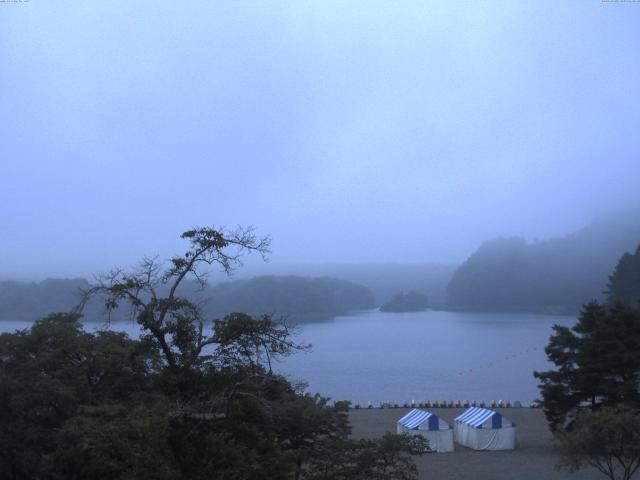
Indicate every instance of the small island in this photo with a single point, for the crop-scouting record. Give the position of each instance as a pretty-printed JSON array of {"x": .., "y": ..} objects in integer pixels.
[{"x": 406, "y": 302}]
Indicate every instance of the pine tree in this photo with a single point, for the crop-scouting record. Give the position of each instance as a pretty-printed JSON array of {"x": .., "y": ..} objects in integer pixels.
[
  {"x": 598, "y": 363},
  {"x": 624, "y": 283}
]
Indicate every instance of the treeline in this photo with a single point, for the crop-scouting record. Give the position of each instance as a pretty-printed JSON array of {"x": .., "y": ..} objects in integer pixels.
[
  {"x": 298, "y": 299},
  {"x": 33, "y": 300},
  {"x": 553, "y": 276},
  {"x": 383, "y": 279},
  {"x": 406, "y": 302}
]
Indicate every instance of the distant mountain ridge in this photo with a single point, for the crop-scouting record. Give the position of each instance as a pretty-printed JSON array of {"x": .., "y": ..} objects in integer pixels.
[{"x": 552, "y": 276}]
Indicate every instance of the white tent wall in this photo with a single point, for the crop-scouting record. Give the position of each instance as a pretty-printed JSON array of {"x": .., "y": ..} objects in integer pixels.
[
  {"x": 440, "y": 441},
  {"x": 440, "y": 435},
  {"x": 483, "y": 429},
  {"x": 485, "y": 438}
]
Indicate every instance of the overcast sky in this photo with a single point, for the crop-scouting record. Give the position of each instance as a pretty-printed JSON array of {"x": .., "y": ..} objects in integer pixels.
[{"x": 350, "y": 131}]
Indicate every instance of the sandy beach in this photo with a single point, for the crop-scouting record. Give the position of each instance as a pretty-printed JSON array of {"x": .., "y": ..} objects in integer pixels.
[{"x": 534, "y": 459}]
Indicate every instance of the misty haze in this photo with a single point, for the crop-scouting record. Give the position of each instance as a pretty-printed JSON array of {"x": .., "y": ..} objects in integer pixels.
[{"x": 319, "y": 240}]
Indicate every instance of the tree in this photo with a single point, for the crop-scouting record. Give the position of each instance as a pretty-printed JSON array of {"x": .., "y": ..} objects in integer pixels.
[
  {"x": 48, "y": 373},
  {"x": 624, "y": 283},
  {"x": 173, "y": 322},
  {"x": 608, "y": 440},
  {"x": 597, "y": 360},
  {"x": 110, "y": 441},
  {"x": 190, "y": 399},
  {"x": 386, "y": 458},
  {"x": 307, "y": 420},
  {"x": 222, "y": 382}
]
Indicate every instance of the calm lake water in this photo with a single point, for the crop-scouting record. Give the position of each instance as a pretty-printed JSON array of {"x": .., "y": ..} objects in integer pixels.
[{"x": 375, "y": 356}]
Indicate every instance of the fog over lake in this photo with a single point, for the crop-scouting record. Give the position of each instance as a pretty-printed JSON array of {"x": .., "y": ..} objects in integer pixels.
[
  {"x": 351, "y": 132},
  {"x": 421, "y": 190},
  {"x": 435, "y": 355},
  {"x": 432, "y": 355}
]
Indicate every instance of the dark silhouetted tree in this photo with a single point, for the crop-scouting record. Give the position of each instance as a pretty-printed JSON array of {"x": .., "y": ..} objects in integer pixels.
[
  {"x": 597, "y": 363},
  {"x": 190, "y": 399},
  {"x": 624, "y": 283},
  {"x": 607, "y": 440}
]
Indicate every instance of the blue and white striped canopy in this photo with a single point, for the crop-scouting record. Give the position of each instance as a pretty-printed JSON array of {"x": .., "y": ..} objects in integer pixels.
[
  {"x": 417, "y": 417},
  {"x": 476, "y": 416}
]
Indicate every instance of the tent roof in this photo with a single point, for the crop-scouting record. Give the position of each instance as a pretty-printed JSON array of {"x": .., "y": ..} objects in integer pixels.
[
  {"x": 475, "y": 416},
  {"x": 415, "y": 418}
]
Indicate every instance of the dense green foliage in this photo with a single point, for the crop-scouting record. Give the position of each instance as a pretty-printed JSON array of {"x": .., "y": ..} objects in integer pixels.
[
  {"x": 406, "y": 302},
  {"x": 80, "y": 405},
  {"x": 598, "y": 363},
  {"x": 48, "y": 375},
  {"x": 608, "y": 440},
  {"x": 386, "y": 458},
  {"x": 188, "y": 400},
  {"x": 554, "y": 276},
  {"x": 624, "y": 283}
]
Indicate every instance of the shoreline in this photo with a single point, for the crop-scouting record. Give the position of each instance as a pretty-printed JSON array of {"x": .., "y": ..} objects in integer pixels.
[
  {"x": 444, "y": 404},
  {"x": 534, "y": 458},
  {"x": 547, "y": 312},
  {"x": 309, "y": 319}
]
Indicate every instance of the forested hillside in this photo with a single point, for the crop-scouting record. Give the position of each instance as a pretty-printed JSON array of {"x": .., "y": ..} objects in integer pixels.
[
  {"x": 552, "y": 276},
  {"x": 383, "y": 279},
  {"x": 298, "y": 298},
  {"x": 31, "y": 300}
]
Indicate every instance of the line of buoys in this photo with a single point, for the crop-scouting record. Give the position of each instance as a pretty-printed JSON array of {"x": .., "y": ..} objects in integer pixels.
[
  {"x": 496, "y": 362},
  {"x": 447, "y": 404}
]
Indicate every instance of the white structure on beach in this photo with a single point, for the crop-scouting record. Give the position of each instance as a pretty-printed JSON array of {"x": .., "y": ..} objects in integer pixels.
[
  {"x": 483, "y": 429},
  {"x": 430, "y": 426}
]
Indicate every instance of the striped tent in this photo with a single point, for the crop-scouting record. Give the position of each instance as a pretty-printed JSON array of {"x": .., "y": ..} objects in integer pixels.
[
  {"x": 484, "y": 429},
  {"x": 430, "y": 426}
]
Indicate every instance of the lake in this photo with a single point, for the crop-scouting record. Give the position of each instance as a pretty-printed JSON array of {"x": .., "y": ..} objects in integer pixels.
[{"x": 435, "y": 355}]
